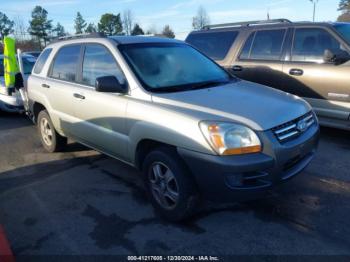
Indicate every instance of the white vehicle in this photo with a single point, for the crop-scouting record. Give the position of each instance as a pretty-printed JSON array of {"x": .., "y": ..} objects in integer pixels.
[{"x": 11, "y": 99}]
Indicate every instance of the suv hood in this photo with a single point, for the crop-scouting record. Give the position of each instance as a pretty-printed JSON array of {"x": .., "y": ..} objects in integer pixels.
[{"x": 257, "y": 106}]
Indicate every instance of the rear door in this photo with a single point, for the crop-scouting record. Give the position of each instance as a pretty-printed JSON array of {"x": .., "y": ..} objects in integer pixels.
[
  {"x": 325, "y": 85},
  {"x": 260, "y": 58},
  {"x": 100, "y": 116}
]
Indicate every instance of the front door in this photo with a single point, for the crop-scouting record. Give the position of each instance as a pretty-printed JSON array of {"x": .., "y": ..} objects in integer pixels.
[
  {"x": 100, "y": 116},
  {"x": 326, "y": 86}
]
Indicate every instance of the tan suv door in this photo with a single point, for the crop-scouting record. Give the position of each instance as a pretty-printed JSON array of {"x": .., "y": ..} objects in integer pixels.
[
  {"x": 325, "y": 86},
  {"x": 260, "y": 59},
  {"x": 101, "y": 116}
]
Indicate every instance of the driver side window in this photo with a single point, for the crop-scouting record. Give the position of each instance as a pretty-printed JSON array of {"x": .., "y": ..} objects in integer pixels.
[
  {"x": 98, "y": 62},
  {"x": 311, "y": 43}
]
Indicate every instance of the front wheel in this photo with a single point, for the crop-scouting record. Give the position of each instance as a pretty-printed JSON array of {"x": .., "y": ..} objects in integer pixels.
[
  {"x": 169, "y": 185},
  {"x": 50, "y": 139}
]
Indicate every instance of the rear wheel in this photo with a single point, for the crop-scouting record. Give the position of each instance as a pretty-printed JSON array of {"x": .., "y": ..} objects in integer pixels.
[
  {"x": 50, "y": 139},
  {"x": 169, "y": 185}
]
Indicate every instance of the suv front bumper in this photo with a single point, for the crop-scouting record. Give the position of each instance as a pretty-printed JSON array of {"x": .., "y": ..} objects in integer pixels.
[{"x": 246, "y": 176}]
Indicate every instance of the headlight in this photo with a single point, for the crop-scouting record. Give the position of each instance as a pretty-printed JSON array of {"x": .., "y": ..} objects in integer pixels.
[{"x": 230, "y": 138}]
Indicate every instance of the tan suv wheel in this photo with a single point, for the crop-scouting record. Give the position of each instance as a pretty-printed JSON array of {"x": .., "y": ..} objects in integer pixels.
[{"x": 50, "y": 139}]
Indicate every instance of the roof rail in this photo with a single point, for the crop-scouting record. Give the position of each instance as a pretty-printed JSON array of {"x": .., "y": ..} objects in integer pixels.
[
  {"x": 90, "y": 35},
  {"x": 248, "y": 23}
]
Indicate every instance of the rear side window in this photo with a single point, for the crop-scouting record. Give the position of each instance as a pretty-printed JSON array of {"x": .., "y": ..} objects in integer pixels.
[
  {"x": 65, "y": 64},
  {"x": 267, "y": 45},
  {"x": 98, "y": 61},
  {"x": 311, "y": 43},
  {"x": 42, "y": 60},
  {"x": 247, "y": 47},
  {"x": 214, "y": 44}
]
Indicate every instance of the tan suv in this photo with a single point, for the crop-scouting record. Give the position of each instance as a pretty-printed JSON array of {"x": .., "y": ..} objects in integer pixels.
[
  {"x": 307, "y": 59},
  {"x": 163, "y": 107}
]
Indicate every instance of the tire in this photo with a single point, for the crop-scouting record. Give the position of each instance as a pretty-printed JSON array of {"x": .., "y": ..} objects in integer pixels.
[
  {"x": 172, "y": 207},
  {"x": 50, "y": 139}
]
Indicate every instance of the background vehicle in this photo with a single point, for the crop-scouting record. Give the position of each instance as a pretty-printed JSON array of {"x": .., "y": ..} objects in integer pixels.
[
  {"x": 163, "y": 107},
  {"x": 307, "y": 59},
  {"x": 13, "y": 102},
  {"x": 36, "y": 54}
]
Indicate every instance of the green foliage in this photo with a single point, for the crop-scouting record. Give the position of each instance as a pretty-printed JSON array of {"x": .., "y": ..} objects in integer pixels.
[
  {"x": 40, "y": 27},
  {"x": 59, "y": 30},
  {"x": 168, "y": 32},
  {"x": 6, "y": 25},
  {"x": 110, "y": 24},
  {"x": 344, "y": 6},
  {"x": 91, "y": 28},
  {"x": 137, "y": 30},
  {"x": 80, "y": 24}
]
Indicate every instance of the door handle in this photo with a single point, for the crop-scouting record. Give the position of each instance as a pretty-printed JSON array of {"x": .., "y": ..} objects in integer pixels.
[
  {"x": 237, "y": 68},
  {"x": 45, "y": 86},
  {"x": 296, "y": 72},
  {"x": 79, "y": 96}
]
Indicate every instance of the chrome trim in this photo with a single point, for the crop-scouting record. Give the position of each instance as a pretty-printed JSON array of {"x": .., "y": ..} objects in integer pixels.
[
  {"x": 284, "y": 137},
  {"x": 285, "y": 129},
  {"x": 290, "y": 129}
]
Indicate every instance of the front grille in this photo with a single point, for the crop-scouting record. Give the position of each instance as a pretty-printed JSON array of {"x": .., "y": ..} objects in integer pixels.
[{"x": 294, "y": 128}]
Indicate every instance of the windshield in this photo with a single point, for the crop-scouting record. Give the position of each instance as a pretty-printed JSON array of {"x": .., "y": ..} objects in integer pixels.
[
  {"x": 344, "y": 30},
  {"x": 172, "y": 67}
]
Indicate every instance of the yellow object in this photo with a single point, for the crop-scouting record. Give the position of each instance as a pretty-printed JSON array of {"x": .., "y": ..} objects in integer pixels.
[{"x": 10, "y": 62}]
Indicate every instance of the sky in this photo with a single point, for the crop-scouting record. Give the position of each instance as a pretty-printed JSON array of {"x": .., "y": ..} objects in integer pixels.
[{"x": 178, "y": 14}]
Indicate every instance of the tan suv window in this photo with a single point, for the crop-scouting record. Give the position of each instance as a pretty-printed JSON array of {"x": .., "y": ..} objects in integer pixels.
[
  {"x": 310, "y": 44},
  {"x": 265, "y": 45}
]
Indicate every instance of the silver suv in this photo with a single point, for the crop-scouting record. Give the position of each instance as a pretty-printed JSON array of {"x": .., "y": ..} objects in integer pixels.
[{"x": 161, "y": 106}]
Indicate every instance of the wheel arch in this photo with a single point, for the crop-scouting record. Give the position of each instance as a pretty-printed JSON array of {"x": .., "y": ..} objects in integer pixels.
[
  {"x": 37, "y": 108},
  {"x": 144, "y": 147}
]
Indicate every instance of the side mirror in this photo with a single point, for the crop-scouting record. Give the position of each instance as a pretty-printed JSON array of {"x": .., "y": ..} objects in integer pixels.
[
  {"x": 329, "y": 56},
  {"x": 337, "y": 59},
  {"x": 110, "y": 84}
]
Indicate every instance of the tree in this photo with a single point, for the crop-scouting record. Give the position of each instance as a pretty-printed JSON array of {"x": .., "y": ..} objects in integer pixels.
[
  {"x": 91, "y": 28},
  {"x": 59, "y": 30},
  {"x": 110, "y": 24},
  {"x": 6, "y": 25},
  {"x": 344, "y": 17},
  {"x": 168, "y": 32},
  {"x": 127, "y": 21},
  {"x": 137, "y": 30},
  {"x": 344, "y": 7},
  {"x": 201, "y": 19},
  {"x": 80, "y": 24},
  {"x": 40, "y": 27},
  {"x": 20, "y": 29}
]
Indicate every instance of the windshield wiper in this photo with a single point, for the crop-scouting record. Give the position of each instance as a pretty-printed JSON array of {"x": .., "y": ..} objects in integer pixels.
[
  {"x": 188, "y": 87},
  {"x": 208, "y": 84}
]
